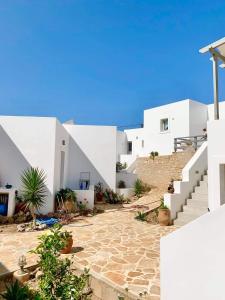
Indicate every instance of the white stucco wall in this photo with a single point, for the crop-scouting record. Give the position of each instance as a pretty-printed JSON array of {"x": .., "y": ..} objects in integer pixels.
[
  {"x": 192, "y": 260},
  {"x": 163, "y": 142},
  {"x": 121, "y": 144},
  {"x": 25, "y": 142},
  {"x": 61, "y": 144},
  {"x": 221, "y": 111},
  {"x": 136, "y": 136},
  {"x": 198, "y": 114},
  {"x": 92, "y": 149},
  {"x": 216, "y": 163}
]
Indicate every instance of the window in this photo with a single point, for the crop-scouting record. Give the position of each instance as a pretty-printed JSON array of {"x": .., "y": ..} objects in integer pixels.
[
  {"x": 129, "y": 147},
  {"x": 142, "y": 143},
  {"x": 164, "y": 125}
]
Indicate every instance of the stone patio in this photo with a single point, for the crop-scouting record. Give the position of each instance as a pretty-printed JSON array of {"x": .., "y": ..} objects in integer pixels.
[{"x": 115, "y": 247}]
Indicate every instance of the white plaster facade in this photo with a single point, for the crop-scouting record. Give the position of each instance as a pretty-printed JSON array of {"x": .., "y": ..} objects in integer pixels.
[
  {"x": 184, "y": 118},
  {"x": 62, "y": 151}
]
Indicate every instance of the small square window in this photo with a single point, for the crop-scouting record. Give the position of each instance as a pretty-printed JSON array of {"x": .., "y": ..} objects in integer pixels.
[{"x": 164, "y": 125}]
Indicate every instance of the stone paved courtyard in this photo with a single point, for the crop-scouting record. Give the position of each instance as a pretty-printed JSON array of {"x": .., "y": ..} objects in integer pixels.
[{"x": 115, "y": 246}]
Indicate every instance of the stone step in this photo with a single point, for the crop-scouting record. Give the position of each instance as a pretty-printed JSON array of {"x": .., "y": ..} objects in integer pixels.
[
  {"x": 184, "y": 219},
  {"x": 204, "y": 184},
  {"x": 200, "y": 197},
  {"x": 201, "y": 190},
  {"x": 194, "y": 209},
  {"x": 197, "y": 203}
]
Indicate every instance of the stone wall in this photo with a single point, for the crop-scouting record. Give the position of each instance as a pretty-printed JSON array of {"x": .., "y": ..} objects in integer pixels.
[{"x": 159, "y": 172}]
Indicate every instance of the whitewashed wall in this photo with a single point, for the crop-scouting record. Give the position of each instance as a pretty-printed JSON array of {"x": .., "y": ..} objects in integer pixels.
[
  {"x": 192, "y": 260},
  {"x": 221, "y": 111},
  {"x": 198, "y": 114},
  {"x": 136, "y": 136},
  {"x": 121, "y": 144},
  {"x": 92, "y": 149},
  {"x": 179, "y": 124},
  {"x": 216, "y": 163},
  {"x": 25, "y": 142},
  {"x": 61, "y": 138}
]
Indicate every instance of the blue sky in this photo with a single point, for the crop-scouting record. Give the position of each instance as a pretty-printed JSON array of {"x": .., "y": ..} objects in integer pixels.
[{"x": 103, "y": 62}]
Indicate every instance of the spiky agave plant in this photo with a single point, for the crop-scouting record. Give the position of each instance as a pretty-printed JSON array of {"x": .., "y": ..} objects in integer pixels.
[{"x": 33, "y": 189}]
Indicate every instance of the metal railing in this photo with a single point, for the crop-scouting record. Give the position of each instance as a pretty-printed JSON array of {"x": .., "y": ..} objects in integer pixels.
[{"x": 182, "y": 143}]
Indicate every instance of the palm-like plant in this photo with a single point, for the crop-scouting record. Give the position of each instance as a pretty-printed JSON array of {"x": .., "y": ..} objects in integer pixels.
[{"x": 33, "y": 189}]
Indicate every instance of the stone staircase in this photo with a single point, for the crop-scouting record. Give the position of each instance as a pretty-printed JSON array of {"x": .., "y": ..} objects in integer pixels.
[{"x": 196, "y": 205}]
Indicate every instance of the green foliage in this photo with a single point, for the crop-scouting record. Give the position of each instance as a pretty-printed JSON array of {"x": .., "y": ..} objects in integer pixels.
[
  {"x": 57, "y": 280},
  {"x": 120, "y": 166},
  {"x": 121, "y": 184},
  {"x": 112, "y": 197},
  {"x": 140, "y": 188},
  {"x": 66, "y": 194},
  {"x": 162, "y": 205},
  {"x": 33, "y": 189},
  {"x": 15, "y": 291},
  {"x": 153, "y": 154},
  {"x": 141, "y": 216},
  {"x": 98, "y": 188}
]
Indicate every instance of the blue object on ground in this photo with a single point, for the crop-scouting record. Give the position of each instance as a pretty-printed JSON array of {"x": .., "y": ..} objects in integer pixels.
[
  {"x": 48, "y": 221},
  {"x": 3, "y": 209}
]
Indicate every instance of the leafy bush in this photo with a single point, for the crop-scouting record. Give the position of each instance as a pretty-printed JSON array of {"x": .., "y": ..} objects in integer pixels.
[
  {"x": 140, "y": 188},
  {"x": 120, "y": 166},
  {"x": 153, "y": 154},
  {"x": 57, "y": 280},
  {"x": 112, "y": 197},
  {"x": 121, "y": 184},
  {"x": 141, "y": 216},
  {"x": 15, "y": 291},
  {"x": 162, "y": 205},
  {"x": 66, "y": 194}
]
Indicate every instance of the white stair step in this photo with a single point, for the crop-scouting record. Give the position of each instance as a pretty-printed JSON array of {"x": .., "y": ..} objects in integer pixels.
[
  {"x": 184, "y": 219},
  {"x": 201, "y": 190},
  {"x": 189, "y": 209},
  {"x": 199, "y": 197},
  {"x": 197, "y": 203},
  {"x": 204, "y": 184}
]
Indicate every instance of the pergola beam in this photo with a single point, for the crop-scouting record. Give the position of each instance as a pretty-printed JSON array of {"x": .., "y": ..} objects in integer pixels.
[{"x": 217, "y": 54}]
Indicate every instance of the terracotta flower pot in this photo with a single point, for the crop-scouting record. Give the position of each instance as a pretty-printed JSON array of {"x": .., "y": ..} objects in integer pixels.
[
  {"x": 99, "y": 197},
  {"x": 164, "y": 216},
  {"x": 67, "y": 249}
]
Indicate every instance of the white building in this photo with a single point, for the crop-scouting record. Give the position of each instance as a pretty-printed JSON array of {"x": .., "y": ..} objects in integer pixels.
[{"x": 69, "y": 154}]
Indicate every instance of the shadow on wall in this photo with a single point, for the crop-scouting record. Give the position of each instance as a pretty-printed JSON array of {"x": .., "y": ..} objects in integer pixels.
[
  {"x": 12, "y": 163},
  {"x": 78, "y": 162}
]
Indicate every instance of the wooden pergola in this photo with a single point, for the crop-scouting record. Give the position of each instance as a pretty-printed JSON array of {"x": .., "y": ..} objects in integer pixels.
[{"x": 217, "y": 50}]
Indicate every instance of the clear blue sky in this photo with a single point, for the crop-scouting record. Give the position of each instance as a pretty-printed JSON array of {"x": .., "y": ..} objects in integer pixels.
[{"x": 103, "y": 62}]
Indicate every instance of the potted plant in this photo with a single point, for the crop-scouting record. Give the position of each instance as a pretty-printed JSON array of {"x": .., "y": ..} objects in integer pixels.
[
  {"x": 163, "y": 214},
  {"x": 67, "y": 238},
  {"x": 170, "y": 188},
  {"x": 121, "y": 184},
  {"x": 99, "y": 191},
  {"x": 68, "y": 197}
]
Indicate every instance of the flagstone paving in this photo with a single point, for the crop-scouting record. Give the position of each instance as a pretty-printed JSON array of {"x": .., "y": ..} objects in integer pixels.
[{"x": 115, "y": 246}]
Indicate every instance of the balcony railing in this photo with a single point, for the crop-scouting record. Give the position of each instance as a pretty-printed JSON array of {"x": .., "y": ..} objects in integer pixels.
[{"x": 182, "y": 143}]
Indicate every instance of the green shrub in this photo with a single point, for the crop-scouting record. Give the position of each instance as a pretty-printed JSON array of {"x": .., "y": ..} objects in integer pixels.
[
  {"x": 112, "y": 197},
  {"x": 153, "y": 154},
  {"x": 57, "y": 280},
  {"x": 162, "y": 205},
  {"x": 141, "y": 216},
  {"x": 121, "y": 184},
  {"x": 15, "y": 291},
  {"x": 120, "y": 166},
  {"x": 140, "y": 188}
]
